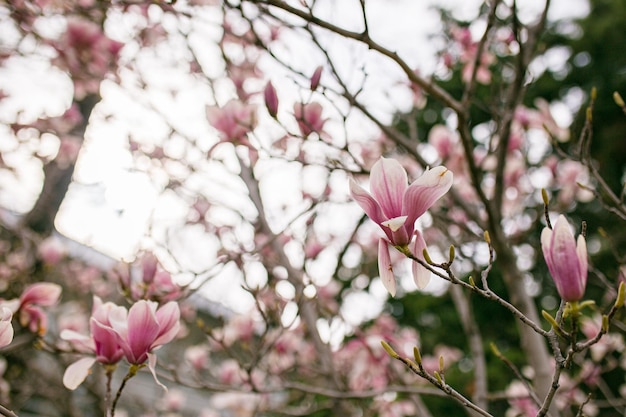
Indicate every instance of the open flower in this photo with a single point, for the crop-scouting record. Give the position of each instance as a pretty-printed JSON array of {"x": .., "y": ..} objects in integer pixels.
[
  {"x": 395, "y": 206},
  {"x": 27, "y": 308},
  {"x": 145, "y": 328},
  {"x": 103, "y": 346},
  {"x": 566, "y": 258},
  {"x": 118, "y": 333}
]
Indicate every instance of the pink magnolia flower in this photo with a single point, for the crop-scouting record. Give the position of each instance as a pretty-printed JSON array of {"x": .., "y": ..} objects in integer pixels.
[
  {"x": 234, "y": 120},
  {"x": 566, "y": 258},
  {"x": 87, "y": 54},
  {"x": 6, "y": 329},
  {"x": 145, "y": 328},
  {"x": 309, "y": 118},
  {"x": 117, "y": 333},
  {"x": 395, "y": 206},
  {"x": 28, "y": 306},
  {"x": 103, "y": 345}
]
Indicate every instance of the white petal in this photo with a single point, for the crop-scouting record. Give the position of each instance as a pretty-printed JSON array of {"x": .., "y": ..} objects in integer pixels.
[
  {"x": 395, "y": 223},
  {"x": 76, "y": 373}
]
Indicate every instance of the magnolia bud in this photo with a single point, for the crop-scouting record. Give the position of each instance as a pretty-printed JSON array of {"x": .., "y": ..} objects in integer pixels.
[
  {"x": 315, "y": 78},
  {"x": 271, "y": 99}
]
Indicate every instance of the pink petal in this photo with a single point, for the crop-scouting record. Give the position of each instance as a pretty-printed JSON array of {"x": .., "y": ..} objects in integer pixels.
[
  {"x": 168, "y": 317},
  {"x": 367, "y": 202},
  {"x": 107, "y": 345},
  {"x": 385, "y": 269},
  {"x": 421, "y": 275},
  {"x": 6, "y": 328},
  {"x": 425, "y": 191},
  {"x": 43, "y": 294},
  {"x": 143, "y": 329},
  {"x": 152, "y": 361},
  {"x": 76, "y": 373},
  {"x": 6, "y": 333},
  {"x": 78, "y": 340},
  {"x": 388, "y": 182}
]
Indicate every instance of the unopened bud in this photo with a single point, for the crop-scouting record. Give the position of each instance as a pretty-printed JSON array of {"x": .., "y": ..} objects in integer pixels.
[
  {"x": 487, "y": 237},
  {"x": 389, "y": 350},
  {"x": 495, "y": 349},
  {"x": 315, "y": 78},
  {"x": 471, "y": 281},
  {"x": 271, "y": 99},
  {"x": 452, "y": 254},
  {"x": 417, "y": 355},
  {"x": 605, "y": 323},
  {"x": 427, "y": 257},
  {"x": 438, "y": 376},
  {"x": 589, "y": 115},
  {"x": 621, "y": 295},
  {"x": 550, "y": 320},
  {"x": 594, "y": 93},
  {"x": 618, "y": 99},
  {"x": 441, "y": 364}
]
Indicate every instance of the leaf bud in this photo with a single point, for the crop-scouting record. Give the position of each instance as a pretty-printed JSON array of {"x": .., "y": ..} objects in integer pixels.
[
  {"x": 452, "y": 254},
  {"x": 550, "y": 319},
  {"x": 618, "y": 99},
  {"x": 417, "y": 355},
  {"x": 427, "y": 257},
  {"x": 389, "y": 350},
  {"x": 438, "y": 376},
  {"x": 605, "y": 323},
  {"x": 621, "y": 295}
]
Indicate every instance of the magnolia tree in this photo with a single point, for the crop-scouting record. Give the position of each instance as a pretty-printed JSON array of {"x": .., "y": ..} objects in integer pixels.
[{"x": 331, "y": 227}]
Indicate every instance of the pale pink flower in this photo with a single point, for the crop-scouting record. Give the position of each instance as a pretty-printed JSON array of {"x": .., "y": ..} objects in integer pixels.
[
  {"x": 395, "y": 206},
  {"x": 102, "y": 346},
  {"x": 51, "y": 250},
  {"x": 6, "y": 328},
  {"x": 87, "y": 54},
  {"x": 309, "y": 117},
  {"x": 28, "y": 306},
  {"x": 444, "y": 140},
  {"x": 144, "y": 328},
  {"x": 234, "y": 120},
  {"x": 566, "y": 258}
]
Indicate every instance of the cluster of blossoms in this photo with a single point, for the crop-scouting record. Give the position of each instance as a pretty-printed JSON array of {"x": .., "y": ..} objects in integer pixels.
[
  {"x": 118, "y": 333},
  {"x": 87, "y": 54}
]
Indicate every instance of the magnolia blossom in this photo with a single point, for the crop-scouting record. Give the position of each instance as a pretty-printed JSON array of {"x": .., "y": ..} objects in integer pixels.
[
  {"x": 309, "y": 117},
  {"x": 103, "y": 345},
  {"x": 566, "y": 258},
  {"x": 395, "y": 206},
  {"x": 118, "y": 333},
  {"x": 6, "y": 329},
  {"x": 27, "y": 307},
  {"x": 234, "y": 120},
  {"x": 145, "y": 328}
]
